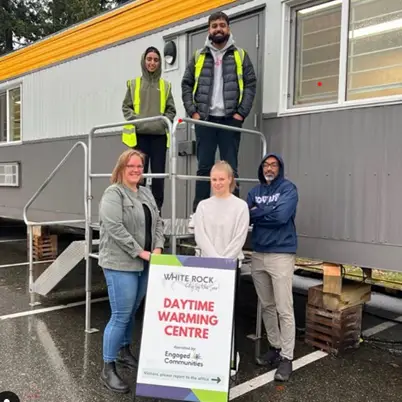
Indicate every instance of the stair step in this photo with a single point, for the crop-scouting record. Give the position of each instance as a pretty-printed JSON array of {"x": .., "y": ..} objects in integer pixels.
[{"x": 59, "y": 268}]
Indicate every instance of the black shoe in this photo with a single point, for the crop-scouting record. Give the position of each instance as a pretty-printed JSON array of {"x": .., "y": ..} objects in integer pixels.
[
  {"x": 272, "y": 357},
  {"x": 111, "y": 379},
  {"x": 126, "y": 358},
  {"x": 284, "y": 370}
]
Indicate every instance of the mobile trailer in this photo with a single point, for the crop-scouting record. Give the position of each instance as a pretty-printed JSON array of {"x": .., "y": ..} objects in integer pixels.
[{"x": 323, "y": 102}]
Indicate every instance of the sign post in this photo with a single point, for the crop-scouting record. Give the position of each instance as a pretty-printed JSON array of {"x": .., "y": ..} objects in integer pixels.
[{"x": 187, "y": 332}]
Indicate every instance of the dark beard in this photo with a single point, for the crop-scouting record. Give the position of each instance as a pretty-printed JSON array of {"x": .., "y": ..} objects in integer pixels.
[{"x": 219, "y": 39}]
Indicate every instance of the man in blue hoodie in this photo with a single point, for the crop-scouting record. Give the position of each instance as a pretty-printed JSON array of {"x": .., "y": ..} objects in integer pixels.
[{"x": 273, "y": 205}]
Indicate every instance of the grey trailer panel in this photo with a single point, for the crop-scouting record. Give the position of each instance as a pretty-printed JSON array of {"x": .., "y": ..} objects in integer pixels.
[{"x": 347, "y": 166}]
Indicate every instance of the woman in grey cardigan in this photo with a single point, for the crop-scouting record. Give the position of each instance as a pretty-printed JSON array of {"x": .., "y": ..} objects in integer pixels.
[{"x": 130, "y": 230}]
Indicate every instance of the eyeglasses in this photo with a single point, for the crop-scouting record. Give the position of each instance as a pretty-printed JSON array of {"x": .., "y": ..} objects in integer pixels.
[
  {"x": 273, "y": 165},
  {"x": 140, "y": 167}
]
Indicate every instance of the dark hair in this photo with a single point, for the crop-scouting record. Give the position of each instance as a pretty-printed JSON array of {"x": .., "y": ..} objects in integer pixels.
[
  {"x": 220, "y": 15},
  {"x": 152, "y": 49}
]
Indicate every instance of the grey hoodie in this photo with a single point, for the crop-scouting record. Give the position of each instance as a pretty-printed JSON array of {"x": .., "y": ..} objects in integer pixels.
[
  {"x": 150, "y": 102},
  {"x": 217, "y": 107}
]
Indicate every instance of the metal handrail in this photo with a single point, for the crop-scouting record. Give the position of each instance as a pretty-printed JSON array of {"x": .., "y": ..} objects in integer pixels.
[
  {"x": 30, "y": 224},
  {"x": 172, "y": 174},
  {"x": 47, "y": 181},
  {"x": 207, "y": 178},
  {"x": 173, "y": 164},
  {"x": 229, "y": 128}
]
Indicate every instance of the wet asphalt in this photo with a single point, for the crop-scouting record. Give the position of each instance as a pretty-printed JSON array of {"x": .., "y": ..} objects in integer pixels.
[{"x": 49, "y": 358}]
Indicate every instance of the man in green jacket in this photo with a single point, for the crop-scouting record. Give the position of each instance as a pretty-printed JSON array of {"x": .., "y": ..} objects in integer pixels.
[{"x": 147, "y": 96}]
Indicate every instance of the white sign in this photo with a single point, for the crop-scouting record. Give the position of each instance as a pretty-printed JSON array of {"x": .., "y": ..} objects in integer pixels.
[{"x": 187, "y": 332}]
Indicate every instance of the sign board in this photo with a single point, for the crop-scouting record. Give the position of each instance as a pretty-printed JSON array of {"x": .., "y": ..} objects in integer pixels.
[{"x": 187, "y": 331}]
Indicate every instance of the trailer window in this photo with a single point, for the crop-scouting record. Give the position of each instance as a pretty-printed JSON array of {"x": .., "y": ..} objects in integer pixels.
[
  {"x": 10, "y": 115},
  {"x": 345, "y": 50},
  {"x": 9, "y": 174},
  {"x": 317, "y": 46},
  {"x": 374, "y": 49}
]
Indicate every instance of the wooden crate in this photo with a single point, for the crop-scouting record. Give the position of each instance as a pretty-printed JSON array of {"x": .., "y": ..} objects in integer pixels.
[
  {"x": 44, "y": 247},
  {"x": 333, "y": 331}
]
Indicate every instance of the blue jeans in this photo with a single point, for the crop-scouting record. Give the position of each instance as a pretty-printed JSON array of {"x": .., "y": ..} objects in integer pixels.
[{"x": 126, "y": 291}]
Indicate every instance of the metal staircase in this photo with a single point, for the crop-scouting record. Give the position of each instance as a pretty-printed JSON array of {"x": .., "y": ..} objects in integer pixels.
[
  {"x": 78, "y": 250},
  {"x": 59, "y": 269}
]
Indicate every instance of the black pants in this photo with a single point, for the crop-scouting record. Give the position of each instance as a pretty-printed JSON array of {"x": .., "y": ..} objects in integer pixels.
[
  {"x": 154, "y": 147},
  {"x": 207, "y": 140}
]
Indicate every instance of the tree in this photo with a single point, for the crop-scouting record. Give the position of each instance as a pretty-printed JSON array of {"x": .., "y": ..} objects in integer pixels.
[
  {"x": 21, "y": 22},
  {"x": 25, "y": 21},
  {"x": 64, "y": 13}
]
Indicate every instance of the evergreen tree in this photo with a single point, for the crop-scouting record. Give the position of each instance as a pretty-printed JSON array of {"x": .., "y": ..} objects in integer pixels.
[
  {"x": 25, "y": 21},
  {"x": 21, "y": 22}
]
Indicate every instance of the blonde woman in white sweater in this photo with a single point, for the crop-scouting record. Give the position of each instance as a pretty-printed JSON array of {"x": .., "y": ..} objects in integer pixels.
[{"x": 221, "y": 221}]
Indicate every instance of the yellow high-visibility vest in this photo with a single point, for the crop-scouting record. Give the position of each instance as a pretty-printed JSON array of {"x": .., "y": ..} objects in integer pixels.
[
  {"x": 129, "y": 135},
  {"x": 239, "y": 58}
]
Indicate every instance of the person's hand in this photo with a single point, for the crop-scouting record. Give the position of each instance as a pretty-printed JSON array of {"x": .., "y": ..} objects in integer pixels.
[
  {"x": 238, "y": 117},
  {"x": 145, "y": 255},
  {"x": 157, "y": 251},
  {"x": 196, "y": 116}
]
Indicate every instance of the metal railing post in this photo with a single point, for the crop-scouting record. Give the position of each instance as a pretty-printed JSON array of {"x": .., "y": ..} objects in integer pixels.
[
  {"x": 88, "y": 239},
  {"x": 32, "y": 298},
  {"x": 258, "y": 329},
  {"x": 173, "y": 189}
]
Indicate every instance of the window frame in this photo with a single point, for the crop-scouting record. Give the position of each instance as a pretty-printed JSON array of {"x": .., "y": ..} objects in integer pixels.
[
  {"x": 17, "y": 174},
  {"x": 7, "y": 90},
  {"x": 286, "y": 107}
]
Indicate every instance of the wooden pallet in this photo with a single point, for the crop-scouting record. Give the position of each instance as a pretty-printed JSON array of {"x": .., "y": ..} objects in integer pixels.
[
  {"x": 44, "y": 247},
  {"x": 333, "y": 331}
]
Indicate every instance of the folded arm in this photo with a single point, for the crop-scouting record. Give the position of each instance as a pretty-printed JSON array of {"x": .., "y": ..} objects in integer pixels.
[{"x": 275, "y": 215}]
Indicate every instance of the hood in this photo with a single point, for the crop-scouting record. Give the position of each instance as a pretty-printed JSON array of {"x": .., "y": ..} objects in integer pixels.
[
  {"x": 281, "y": 174},
  {"x": 150, "y": 76},
  {"x": 229, "y": 43}
]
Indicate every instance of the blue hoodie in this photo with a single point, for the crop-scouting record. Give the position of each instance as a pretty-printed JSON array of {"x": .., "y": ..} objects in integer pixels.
[{"x": 273, "y": 218}]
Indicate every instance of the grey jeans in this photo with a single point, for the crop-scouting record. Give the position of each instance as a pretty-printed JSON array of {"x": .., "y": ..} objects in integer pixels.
[{"x": 273, "y": 278}]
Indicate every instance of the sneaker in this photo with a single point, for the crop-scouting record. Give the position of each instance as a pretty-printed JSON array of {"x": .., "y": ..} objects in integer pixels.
[
  {"x": 272, "y": 357},
  {"x": 284, "y": 370}
]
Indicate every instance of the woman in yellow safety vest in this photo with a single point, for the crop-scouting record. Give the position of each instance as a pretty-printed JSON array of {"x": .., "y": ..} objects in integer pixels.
[{"x": 147, "y": 96}]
